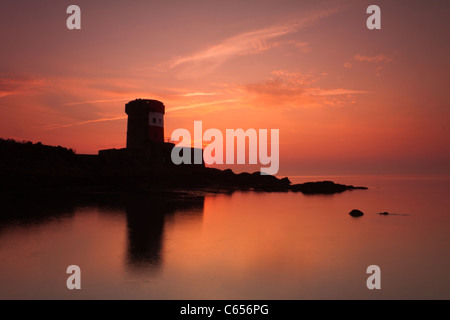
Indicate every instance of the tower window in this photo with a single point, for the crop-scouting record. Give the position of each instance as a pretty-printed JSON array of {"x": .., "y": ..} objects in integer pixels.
[{"x": 154, "y": 120}]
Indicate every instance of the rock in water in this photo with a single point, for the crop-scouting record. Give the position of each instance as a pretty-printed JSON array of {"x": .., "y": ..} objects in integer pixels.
[
  {"x": 384, "y": 213},
  {"x": 356, "y": 213},
  {"x": 322, "y": 187}
]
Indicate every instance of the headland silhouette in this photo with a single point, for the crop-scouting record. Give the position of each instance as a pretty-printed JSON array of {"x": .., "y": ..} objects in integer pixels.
[{"x": 145, "y": 164}]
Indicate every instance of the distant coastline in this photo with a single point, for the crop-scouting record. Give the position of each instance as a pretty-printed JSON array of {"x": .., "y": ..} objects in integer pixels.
[{"x": 28, "y": 166}]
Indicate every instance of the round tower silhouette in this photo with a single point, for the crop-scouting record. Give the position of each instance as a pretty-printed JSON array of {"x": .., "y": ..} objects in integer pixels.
[{"x": 145, "y": 123}]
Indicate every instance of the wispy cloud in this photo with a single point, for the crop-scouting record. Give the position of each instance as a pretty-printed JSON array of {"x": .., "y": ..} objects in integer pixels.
[
  {"x": 58, "y": 126},
  {"x": 195, "y": 94},
  {"x": 377, "y": 58},
  {"x": 96, "y": 101},
  {"x": 251, "y": 42},
  {"x": 4, "y": 93},
  {"x": 296, "y": 90},
  {"x": 335, "y": 92},
  {"x": 19, "y": 83},
  {"x": 200, "y": 105}
]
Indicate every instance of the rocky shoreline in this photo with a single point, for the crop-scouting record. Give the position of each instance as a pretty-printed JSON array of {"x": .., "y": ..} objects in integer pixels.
[{"x": 36, "y": 167}]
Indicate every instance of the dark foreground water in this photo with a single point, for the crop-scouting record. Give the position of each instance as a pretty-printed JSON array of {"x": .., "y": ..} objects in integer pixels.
[{"x": 246, "y": 245}]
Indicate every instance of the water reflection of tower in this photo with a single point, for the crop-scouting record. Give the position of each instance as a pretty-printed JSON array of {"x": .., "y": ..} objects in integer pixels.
[
  {"x": 145, "y": 223},
  {"x": 146, "y": 219}
]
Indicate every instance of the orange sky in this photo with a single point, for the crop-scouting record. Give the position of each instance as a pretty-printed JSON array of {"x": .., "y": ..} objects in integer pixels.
[{"x": 345, "y": 99}]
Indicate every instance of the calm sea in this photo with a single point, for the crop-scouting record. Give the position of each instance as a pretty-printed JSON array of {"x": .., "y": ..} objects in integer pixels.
[{"x": 244, "y": 245}]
